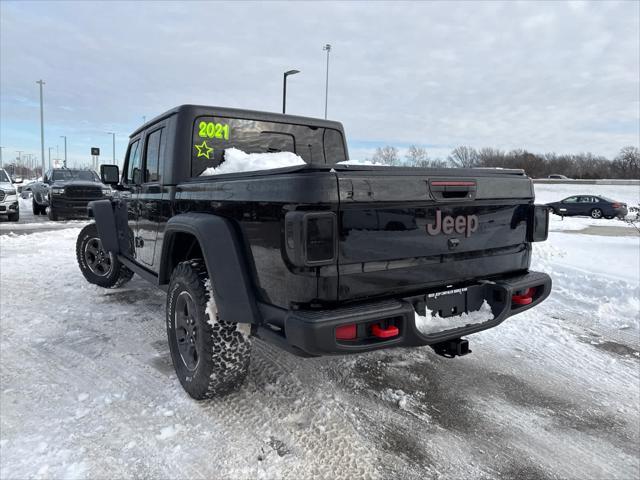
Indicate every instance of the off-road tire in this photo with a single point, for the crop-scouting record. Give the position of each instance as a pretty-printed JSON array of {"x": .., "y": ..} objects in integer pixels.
[
  {"x": 53, "y": 216},
  {"x": 113, "y": 277},
  {"x": 210, "y": 356}
]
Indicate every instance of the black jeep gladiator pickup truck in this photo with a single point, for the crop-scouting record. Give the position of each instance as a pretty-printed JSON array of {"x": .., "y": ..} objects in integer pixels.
[{"x": 319, "y": 258}]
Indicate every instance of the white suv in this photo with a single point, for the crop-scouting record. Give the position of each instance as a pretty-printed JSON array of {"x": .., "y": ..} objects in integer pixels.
[{"x": 8, "y": 198}]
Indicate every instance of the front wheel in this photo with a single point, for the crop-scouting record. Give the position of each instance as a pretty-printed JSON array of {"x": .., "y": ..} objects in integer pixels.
[
  {"x": 14, "y": 217},
  {"x": 210, "y": 356},
  {"x": 596, "y": 213},
  {"x": 53, "y": 215},
  {"x": 98, "y": 266}
]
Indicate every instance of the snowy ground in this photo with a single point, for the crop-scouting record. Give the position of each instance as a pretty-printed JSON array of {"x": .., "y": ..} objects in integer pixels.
[{"x": 88, "y": 390}]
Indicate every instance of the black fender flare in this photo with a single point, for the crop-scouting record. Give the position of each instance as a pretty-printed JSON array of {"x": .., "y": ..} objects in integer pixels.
[
  {"x": 225, "y": 258},
  {"x": 102, "y": 211}
]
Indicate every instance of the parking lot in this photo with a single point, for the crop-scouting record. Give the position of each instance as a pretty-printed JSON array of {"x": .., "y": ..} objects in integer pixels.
[{"x": 88, "y": 389}]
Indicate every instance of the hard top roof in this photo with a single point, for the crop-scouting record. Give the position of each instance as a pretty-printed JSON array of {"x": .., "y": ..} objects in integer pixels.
[{"x": 199, "y": 110}]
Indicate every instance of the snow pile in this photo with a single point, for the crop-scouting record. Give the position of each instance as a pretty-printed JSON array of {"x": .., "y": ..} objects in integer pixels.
[
  {"x": 399, "y": 397},
  {"x": 360, "y": 162},
  {"x": 435, "y": 323},
  {"x": 238, "y": 161}
]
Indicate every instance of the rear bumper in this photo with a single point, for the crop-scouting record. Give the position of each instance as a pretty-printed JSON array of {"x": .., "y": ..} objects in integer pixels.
[{"x": 313, "y": 333}]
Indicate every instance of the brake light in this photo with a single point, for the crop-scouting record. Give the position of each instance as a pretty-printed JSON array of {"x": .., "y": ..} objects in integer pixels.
[
  {"x": 538, "y": 223},
  {"x": 310, "y": 238},
  {"x": 616, "y": 205},
  {"x": 346, "y": 332},
  {"x": 320, "y": 237}
]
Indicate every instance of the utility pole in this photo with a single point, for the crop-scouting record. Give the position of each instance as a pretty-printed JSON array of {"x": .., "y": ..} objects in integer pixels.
[
  {"x": 113, "y": 135},
  {"x": 50, "y": 148},
  {"x": 326, "y": 48},
  {"x": 65, "y": 150},
  {"x": 1, "y": 163},
  {"x": 41, "y": 83},
  {"x": 284, "y": 88}
]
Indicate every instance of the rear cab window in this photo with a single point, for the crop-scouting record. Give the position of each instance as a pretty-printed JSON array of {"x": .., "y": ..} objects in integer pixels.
[{"x": 212, "y": 135}]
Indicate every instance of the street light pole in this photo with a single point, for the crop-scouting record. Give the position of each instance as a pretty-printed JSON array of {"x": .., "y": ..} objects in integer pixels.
[
  {"x": 113, "y": 135},
  {"x": 41, "y": 83},
  {"x": 65, "y": 150},
  {"x": 284, "y": 88},
  {"x": 50, "y": 148},
  {"x": 327, "y": 48}
]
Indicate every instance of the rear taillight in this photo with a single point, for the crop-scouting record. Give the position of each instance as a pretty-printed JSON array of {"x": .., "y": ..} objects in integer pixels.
[
  {"x": 538, "y": 224},
  {"x": 310, "y": 238},
  {"x": 616, "y": 205},
  {"x": 347, "y": 332}
]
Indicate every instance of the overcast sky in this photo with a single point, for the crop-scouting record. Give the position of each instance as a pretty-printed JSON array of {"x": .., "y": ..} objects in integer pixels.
[{"x": 543, "y": 76}]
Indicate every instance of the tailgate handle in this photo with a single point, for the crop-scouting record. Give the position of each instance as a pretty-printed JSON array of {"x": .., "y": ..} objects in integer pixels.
[{"x": 453, "y": 190}]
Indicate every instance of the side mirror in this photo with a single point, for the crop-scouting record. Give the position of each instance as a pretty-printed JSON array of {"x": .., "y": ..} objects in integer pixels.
[{"x": 109, "y": 174}]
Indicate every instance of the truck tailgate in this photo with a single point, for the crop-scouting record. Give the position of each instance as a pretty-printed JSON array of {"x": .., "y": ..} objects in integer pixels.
[{"x": 402, "y": 231}]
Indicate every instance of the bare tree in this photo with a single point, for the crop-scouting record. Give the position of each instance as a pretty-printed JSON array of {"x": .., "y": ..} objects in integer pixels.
[
  {"x": 627, "y": 163},
  {"x": 386, "y": 155},
  {"x": 418, "y": 157},
  {"x": 463, "y": 157}
]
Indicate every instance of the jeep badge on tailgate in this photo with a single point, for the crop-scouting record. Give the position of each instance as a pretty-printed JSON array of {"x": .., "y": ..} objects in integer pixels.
[{"x": 466, "y": 224}]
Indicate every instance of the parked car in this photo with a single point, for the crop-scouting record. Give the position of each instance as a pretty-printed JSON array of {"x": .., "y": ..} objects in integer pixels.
[
  {"x": 9, "y": 206},
  {"x": 66, "y": 192},
  {"x": 589, "y": 205}
]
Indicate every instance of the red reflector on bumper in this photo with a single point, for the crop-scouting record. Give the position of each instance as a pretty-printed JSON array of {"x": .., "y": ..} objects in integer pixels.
[
  {"x": 346, "y": 332},
  {"x": 525, "y": 299},
  {"x": 388, "y": 332}
]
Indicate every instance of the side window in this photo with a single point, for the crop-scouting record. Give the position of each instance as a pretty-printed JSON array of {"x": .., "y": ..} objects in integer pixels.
[
  {"x": 152, "y": 156},
  {"x": 571, "y": 200},
  {"x": 595, "y": 199},
  {"x": 133, "y": 167},
  {"x": 333, "y": 147}
]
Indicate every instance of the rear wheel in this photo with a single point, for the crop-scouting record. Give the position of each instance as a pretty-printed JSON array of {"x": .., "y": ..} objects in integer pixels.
[
  {"x": 596, "y": 213},
  {"x": 98, "y": 266},
  {"x": 211, "y": 357}
]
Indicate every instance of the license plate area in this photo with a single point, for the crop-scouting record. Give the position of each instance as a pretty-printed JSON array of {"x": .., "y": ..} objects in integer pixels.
[{"x": 456, "y": 301}]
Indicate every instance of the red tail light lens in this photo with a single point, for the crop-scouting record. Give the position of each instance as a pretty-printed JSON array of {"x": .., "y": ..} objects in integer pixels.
[
  {"x": 346, "y": 332},
  {"x": 616, "y": 205}
]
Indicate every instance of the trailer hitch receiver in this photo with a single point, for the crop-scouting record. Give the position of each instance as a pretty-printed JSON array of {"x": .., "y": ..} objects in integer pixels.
[{"x": 457, "y": 347}]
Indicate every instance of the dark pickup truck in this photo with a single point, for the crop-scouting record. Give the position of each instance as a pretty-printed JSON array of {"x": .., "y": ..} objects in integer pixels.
[
  {"x": 67, "y": 192},
  {"x": 319, "y": 258}
]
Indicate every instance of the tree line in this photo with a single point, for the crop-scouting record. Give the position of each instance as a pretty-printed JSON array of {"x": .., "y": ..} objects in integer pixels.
[{"x": 579, "y": 165}]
